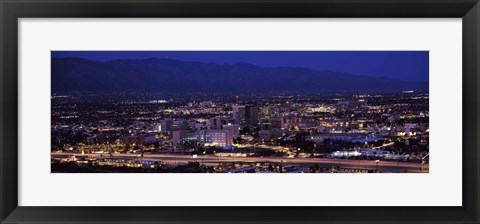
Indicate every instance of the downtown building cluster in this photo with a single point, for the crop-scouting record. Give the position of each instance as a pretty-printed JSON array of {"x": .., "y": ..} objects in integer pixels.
[{"x": 258, "y": 126}]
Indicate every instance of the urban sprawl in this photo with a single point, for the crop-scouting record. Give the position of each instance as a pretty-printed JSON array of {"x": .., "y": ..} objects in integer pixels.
[{"x": 239, "y": 133}]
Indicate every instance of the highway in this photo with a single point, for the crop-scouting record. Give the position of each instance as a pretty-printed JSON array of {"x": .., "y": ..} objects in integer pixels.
[{"x": 212, "y": 159}]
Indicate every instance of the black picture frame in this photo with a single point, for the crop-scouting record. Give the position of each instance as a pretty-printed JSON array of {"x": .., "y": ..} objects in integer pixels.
[{"x": 12, "y": 10}]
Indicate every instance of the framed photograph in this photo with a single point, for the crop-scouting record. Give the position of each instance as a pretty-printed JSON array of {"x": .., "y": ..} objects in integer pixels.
[{"x": 239, "y": 111}]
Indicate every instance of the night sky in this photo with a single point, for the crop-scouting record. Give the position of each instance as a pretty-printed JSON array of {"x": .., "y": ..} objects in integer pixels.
[{"x": 404, "y": 65}]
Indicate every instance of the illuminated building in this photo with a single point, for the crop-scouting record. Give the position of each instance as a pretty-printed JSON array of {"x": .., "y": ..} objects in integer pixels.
[
  {"x": 265, "y": 113},
  {"x": 165, "y": 125},
  {"x": 217, "y": 122},
  {"x": 215, "y": 137},
  {"x": 179, "y": 137}
]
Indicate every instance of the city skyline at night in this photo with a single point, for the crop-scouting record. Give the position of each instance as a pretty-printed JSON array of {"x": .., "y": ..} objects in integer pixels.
[{"x": 239, "y": 112}]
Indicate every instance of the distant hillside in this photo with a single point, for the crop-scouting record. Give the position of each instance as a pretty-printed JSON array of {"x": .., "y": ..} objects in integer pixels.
[{"x": 167, "y": 75}]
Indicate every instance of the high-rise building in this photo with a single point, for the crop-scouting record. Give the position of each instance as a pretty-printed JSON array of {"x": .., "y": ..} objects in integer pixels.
[
  {"x": 234, "y": 128},
  {"x": 215, "y": 137},
  {"x": 217, "y": 122},
  {"x": 238, "y": 114},
  {"x": 251, "y": 115},
  {"x": 265, "y": 113},
  {"x": 165, "y": 125}
]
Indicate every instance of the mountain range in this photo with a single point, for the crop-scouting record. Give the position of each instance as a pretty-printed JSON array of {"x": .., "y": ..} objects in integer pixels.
[{"x": 169, "y": 75}]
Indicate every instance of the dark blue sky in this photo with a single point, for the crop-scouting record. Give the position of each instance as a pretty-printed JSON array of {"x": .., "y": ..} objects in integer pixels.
[{"x": 404, "y": 65}]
